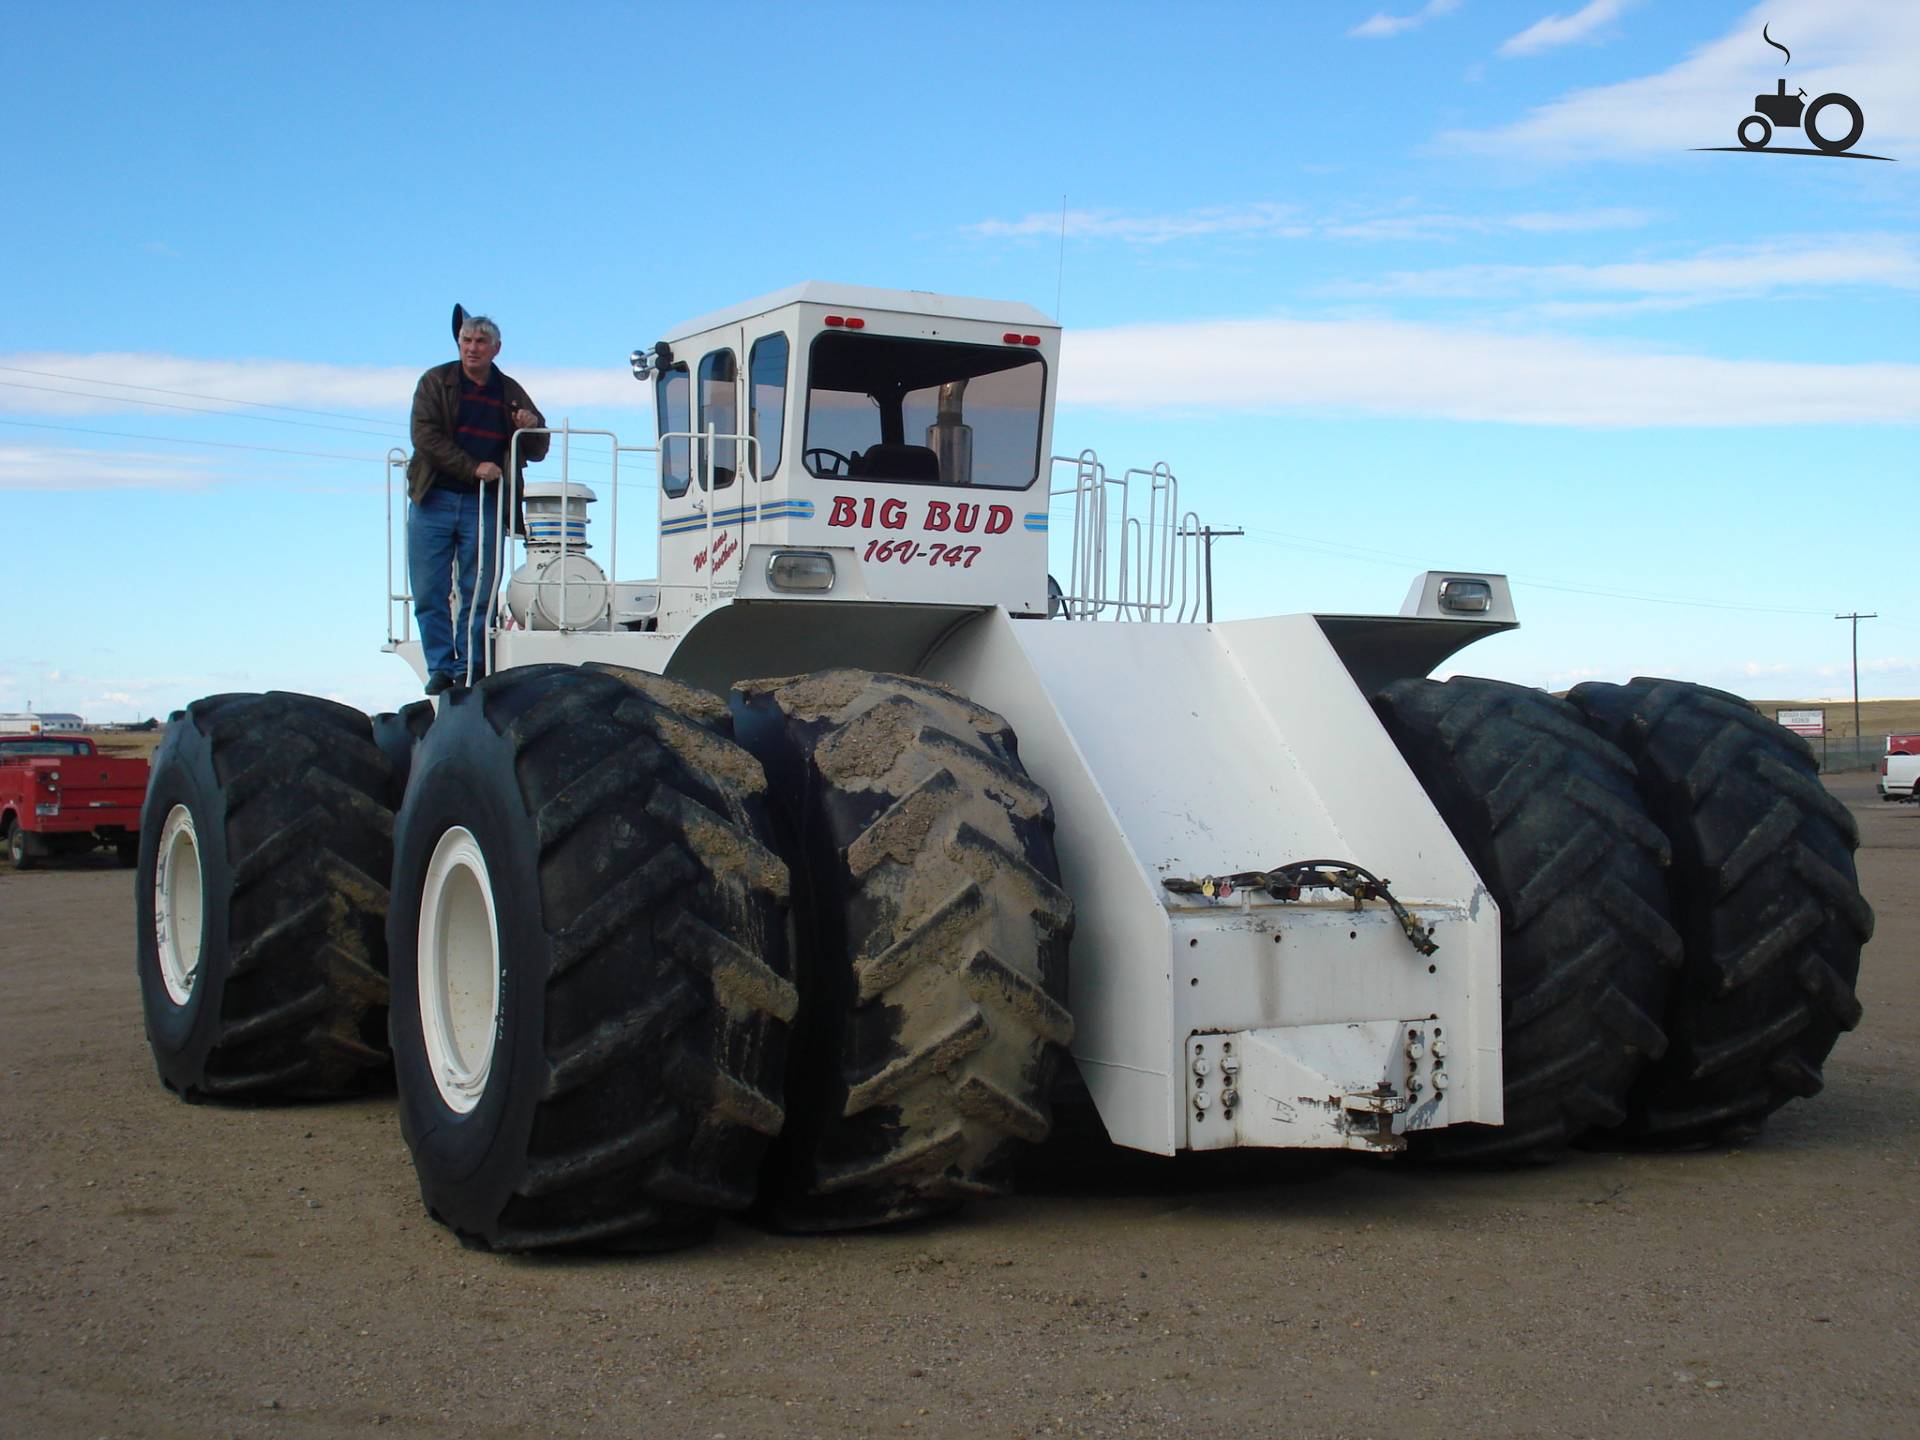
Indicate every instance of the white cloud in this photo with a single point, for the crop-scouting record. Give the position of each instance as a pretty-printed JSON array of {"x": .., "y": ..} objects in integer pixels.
[
  {"x": 1889, "y": 262},
  {"x": 1430, "y": 226},
  {"x": 36, "y": 467},
  {"x": 1549, "y": 222},
  {"x": 1868, "y": 49},
  {"x": 1271, "y": 221},
  {"x": 1384, "y": 27},
  {"x": 1232, "y": 220},
  {"x": 1367, "y": 367},
  {"x": 1557, "y": 30}
]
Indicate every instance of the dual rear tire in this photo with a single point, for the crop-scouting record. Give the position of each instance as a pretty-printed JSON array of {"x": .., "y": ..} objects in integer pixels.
[
  {"x": 1681, "y": 918},
  {"x": 265, "y": 848},
  {"x": 1766, "y": 897}
]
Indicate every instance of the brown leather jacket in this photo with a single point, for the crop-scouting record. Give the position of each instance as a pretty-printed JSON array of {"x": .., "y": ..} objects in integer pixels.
[{"x": 436, "y": 415}]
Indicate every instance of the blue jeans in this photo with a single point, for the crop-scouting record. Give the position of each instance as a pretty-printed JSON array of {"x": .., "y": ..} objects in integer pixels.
[{"x": 443, "y": 541}]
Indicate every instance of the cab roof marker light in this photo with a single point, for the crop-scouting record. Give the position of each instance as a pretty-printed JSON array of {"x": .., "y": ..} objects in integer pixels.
[
  {"x": 836, "y": 321},
  {"x": 1029, "y": 339}
]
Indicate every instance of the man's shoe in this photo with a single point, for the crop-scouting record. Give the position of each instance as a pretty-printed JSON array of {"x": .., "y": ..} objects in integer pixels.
[{"x": 438, "y": 683}]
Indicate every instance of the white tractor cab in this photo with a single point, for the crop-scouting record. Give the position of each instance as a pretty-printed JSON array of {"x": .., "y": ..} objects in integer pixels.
[
  {"x": 751, "y": 885},
  {"x": 823, "y": 443}
]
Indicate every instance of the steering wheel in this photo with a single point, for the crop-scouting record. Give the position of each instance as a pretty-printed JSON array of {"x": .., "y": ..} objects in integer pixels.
[{"x": 840, "y": 463}]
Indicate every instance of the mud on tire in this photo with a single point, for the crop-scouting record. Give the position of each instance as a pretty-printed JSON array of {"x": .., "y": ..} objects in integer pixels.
[
  {"x": 1548, "y": 814},
  {"x": 934, "y": 939},
  {"x": 1766, "y": 896},
  {"x": 263, "y": 966},
  {"x": 624, "y": 1086}
]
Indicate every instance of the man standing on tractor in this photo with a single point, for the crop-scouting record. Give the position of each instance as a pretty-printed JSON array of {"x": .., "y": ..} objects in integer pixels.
[{"x": 464, "y": 413}]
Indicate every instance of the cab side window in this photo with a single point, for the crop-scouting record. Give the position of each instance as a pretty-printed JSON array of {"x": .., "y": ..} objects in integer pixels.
[
  {"x": 767, "y": 392},
  {"x": 720, "y": 412},
  {"x": 676, "y": 456}
]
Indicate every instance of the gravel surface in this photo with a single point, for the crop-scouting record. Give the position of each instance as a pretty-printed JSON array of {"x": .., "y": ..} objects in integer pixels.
[{"x": 186, "y": 1270}]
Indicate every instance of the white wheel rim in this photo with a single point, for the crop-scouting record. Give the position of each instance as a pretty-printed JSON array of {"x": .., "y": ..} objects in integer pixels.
[
  {"x": 459, "y": 969},
  {"x": 179, "y": 904}
]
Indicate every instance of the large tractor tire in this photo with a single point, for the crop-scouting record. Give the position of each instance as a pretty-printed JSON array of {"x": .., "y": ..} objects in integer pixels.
[
  {"x": 591, "y": 963},
  {"x": 1767, "y": 900},
  {"x": 260, "y": 898},
  {"x": 1547, "y": 813},
  {"x": 933, "y": 941}
]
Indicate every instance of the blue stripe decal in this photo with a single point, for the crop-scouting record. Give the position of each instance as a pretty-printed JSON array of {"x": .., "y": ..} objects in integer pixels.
[
  {"x": 788, "y": 509},
  {"x": 1036, "y": 520},
  {"x": 779, "y": 510}
]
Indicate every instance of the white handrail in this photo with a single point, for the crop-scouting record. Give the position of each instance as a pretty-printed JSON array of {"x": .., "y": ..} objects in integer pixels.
[
  {"x": 397, "y": 459},
  {"x": 1153, "y": 572}
]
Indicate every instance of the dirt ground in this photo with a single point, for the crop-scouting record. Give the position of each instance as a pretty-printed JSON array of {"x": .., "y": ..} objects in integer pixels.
[{"x": 168, "y": 1270}]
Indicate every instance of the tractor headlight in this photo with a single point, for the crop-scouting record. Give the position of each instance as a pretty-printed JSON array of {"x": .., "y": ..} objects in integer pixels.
[
  {"x": 800, "y": 570},
  {"x": 1471, "y": 597}
]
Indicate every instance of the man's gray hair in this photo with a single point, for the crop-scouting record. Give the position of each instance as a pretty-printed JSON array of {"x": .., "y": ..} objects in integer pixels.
[{"x": 481, "y": 325}]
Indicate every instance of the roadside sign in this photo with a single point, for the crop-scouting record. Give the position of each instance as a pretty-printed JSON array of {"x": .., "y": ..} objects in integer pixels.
[{"x": 1803, "y": 722}]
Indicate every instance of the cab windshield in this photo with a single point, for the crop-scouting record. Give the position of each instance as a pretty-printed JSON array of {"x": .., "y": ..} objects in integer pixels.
[{"x": 925, "y": 412}]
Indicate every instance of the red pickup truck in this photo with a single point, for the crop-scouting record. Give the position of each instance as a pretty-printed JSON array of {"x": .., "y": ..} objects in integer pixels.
[{"x": 60, "y": 796}]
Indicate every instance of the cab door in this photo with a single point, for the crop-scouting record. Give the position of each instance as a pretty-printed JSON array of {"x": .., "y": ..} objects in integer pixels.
[
  {"x": 682, "y": 504},
  {"x": 719, "y": 391}
]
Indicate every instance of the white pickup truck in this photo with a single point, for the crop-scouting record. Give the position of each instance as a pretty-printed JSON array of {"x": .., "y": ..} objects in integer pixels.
[{"x": 1900, "y": 768}]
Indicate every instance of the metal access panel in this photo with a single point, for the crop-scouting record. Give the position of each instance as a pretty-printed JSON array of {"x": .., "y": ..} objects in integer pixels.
[{"x": 1183, "y": 751}]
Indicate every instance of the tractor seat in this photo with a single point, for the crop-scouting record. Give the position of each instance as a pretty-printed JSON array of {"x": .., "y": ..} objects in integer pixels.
[{"x": 896, "y": 462}]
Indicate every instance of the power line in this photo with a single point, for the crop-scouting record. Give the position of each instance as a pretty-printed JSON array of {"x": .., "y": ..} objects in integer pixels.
[
  {"x": 185, "y": 394},
  {"x": 1648, "y": 599},
  {"x": 197, "y": 409},
  {"x": 179, "y": 440},
  {"x": 1316, "y": 545}
]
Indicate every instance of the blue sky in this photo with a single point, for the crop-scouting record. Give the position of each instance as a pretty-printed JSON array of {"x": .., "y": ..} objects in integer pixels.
[{"x": 1390, "y": 287}]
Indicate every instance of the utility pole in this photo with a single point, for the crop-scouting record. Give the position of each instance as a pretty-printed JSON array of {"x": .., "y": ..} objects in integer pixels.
[
  {"x": 1209, "y": 535},
  {"x": 1856, "y": 617}
]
